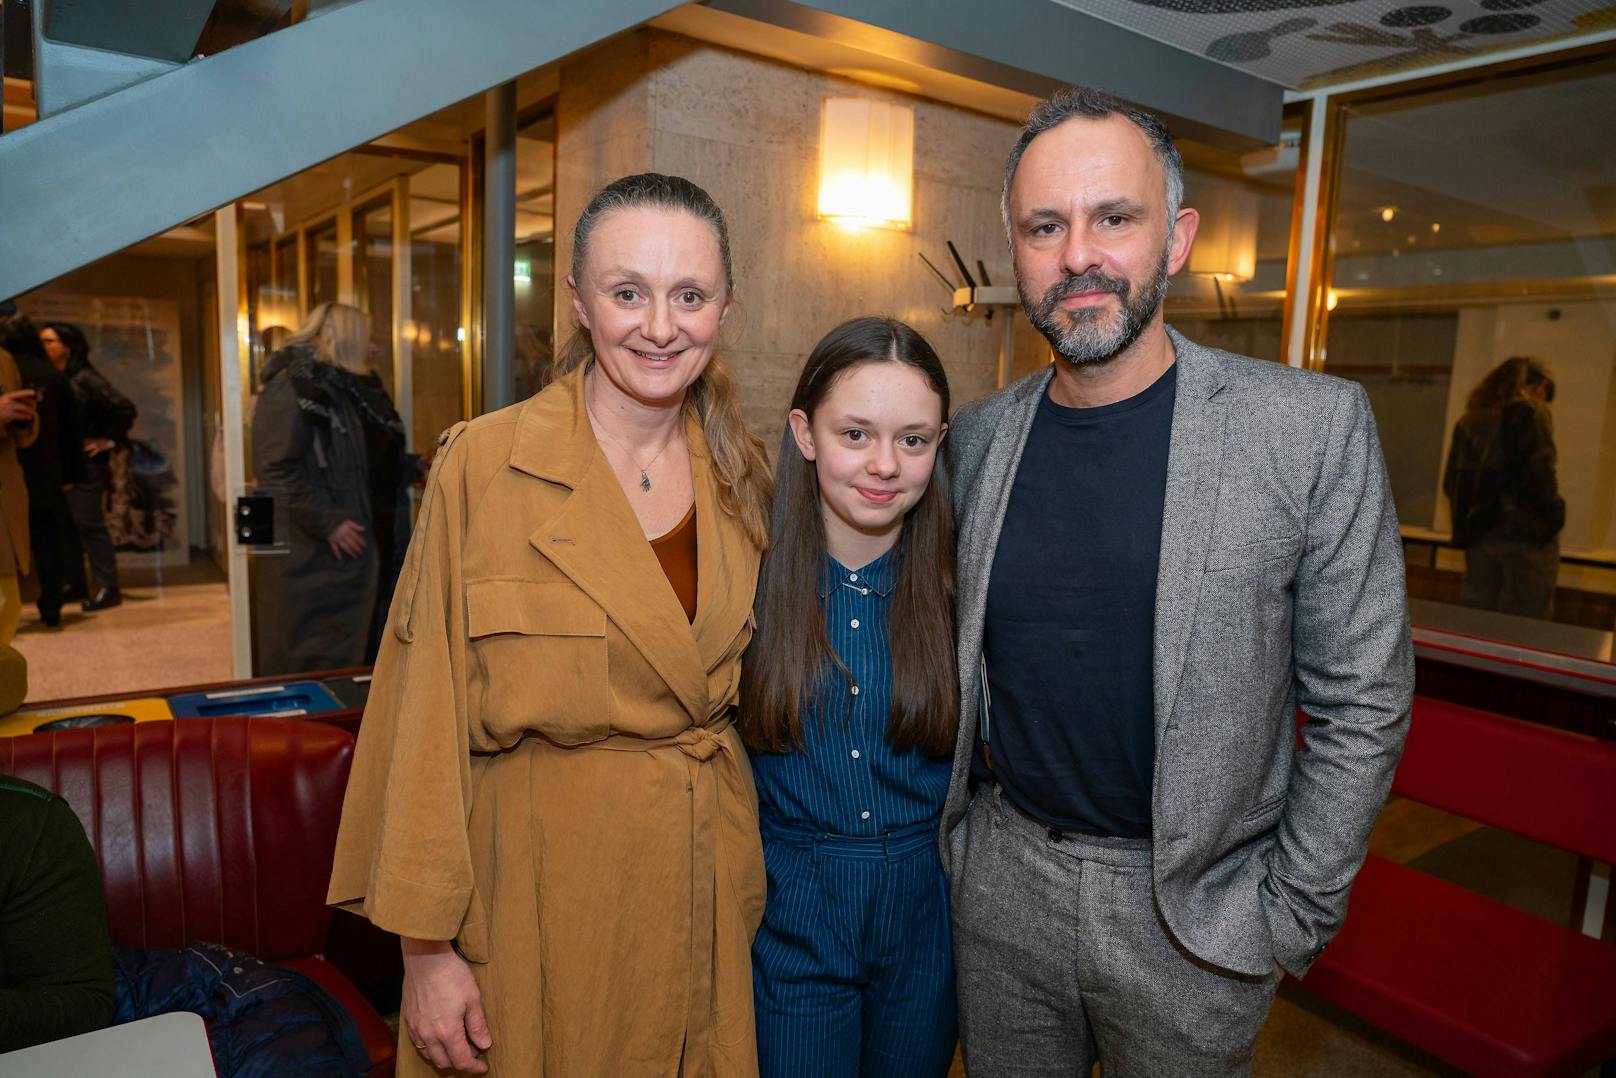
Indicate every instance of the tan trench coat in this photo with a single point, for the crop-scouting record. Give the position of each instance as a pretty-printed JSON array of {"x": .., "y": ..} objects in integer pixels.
[
  {"x": 546, "y": 772},
  {"x": 14, "y": 552}
]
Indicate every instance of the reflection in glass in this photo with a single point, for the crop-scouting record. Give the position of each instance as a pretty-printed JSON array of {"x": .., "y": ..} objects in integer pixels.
[
  {"x": 535, "y": 254},
  {"x": 373, "y": 281},
  {"x": 144, "y": 314},
  {"x": 347, "y": 218},
  {"x": 1231, "y": 294},
  {"x": 1475, "y": 226},
  {"x": 437, "y": 340},
  {"x": 321, "y": 244}
]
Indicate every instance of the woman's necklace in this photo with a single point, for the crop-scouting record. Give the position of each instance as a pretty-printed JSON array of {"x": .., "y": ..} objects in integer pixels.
[{"x": 645, "y": 469}]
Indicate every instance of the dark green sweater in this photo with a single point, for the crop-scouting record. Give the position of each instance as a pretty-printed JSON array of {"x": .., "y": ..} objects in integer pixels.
[{"x": 55, "y": 954}]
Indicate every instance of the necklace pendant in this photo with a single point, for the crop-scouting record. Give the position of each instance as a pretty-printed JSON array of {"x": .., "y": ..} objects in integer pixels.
[{"x": 645, "y": 481}]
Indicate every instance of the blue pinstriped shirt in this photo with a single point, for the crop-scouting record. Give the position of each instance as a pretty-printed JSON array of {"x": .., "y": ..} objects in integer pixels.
[{"x": 849, "y": 781}]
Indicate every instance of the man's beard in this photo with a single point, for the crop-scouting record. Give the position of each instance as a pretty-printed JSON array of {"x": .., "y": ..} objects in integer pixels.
[{"x": 1088, "y": 334}]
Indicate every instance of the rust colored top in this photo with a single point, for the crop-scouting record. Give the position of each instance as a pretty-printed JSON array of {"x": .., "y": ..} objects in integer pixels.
[{"x": 676, "y": 551}]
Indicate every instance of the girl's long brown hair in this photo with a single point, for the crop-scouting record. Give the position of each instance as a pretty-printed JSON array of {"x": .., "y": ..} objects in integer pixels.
[
  {"x": 790, "y": 665},
  {"x": 739, "y": 460}
]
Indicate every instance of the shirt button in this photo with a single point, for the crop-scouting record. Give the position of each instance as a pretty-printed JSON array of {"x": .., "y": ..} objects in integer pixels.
[
  {"x": 864, "y": 591},
  {"x": 855, "y": 690},
  {"x": 854, "y": 623},
  {"x": 852, "y": 576},
  {"x": 855, "y": 754},
  {"x": 864, "y": 815}
]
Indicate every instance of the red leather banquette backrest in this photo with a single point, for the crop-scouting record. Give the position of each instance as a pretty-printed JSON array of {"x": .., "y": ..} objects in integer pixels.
[{"x": 206, "y": 829}]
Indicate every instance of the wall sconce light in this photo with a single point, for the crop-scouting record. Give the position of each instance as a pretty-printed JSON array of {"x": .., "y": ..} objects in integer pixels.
[
  {"x": 1226, "y": 244},
  {"x": 866, "y": 162}
]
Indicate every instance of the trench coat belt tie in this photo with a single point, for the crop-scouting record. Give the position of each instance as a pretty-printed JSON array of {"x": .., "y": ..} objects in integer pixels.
[{"x": 720, "y": 822}]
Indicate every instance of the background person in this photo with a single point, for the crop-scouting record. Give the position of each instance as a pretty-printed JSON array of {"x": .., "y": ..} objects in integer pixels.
[
  {"x": 547, "y": 803},
  {"x": 1501, "y": 484},
  {"x": 19, "y": 426},
  {"x": 105, "y": 416},
  {"x": 50, "y": 465},
  {"x": 848, "y": 707},
  {"x": 315, "y": 603}
]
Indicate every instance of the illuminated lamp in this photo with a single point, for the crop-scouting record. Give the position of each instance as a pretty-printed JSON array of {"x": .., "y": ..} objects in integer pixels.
[
  {"x": 1226, "y": 243},
  {"x": 866, "y": 162}
]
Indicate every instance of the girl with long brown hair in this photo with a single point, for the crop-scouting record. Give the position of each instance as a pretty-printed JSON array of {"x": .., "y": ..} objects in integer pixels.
[{"x": 848, "y": 702}]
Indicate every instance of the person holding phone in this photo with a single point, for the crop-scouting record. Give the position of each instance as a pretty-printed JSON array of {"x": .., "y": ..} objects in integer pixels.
[
  {"x": 49, "y": 462},
  {"x": 19, "y": 426}
]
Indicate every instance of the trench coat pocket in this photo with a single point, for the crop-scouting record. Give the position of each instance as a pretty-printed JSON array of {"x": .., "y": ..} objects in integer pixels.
[{"x": 541, "y": 658}]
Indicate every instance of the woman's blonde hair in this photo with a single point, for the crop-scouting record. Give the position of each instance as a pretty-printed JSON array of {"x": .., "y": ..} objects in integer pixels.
[
  {"x": 338, "y": 334},
  {"x": 738, "y": 456}
]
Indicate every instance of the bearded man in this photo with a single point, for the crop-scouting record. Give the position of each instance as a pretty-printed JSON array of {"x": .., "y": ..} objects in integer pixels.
[{"x": 1165, "y": 551}]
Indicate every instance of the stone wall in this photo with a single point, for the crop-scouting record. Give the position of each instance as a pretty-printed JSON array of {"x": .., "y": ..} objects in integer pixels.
[{"x": 747, "y": 129}]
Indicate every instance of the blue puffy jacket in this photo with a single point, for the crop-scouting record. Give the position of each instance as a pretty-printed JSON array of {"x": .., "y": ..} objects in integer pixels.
[{"x": 263, "y": 1020}]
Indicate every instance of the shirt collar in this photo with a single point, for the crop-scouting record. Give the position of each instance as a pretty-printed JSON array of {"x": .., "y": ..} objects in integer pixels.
[{"x": 880, "y": 574}]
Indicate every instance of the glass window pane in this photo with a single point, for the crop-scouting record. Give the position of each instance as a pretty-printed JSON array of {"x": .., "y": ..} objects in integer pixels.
[
  {"x": 139, "y": 533},
  {"x": 435, "y": 327},
  {"x": 535, "y": 253},
  {"x": 321, "y": 247},
  {"x": 1231, "y": 294},
  {"x": 1473, "y": 297},
  {"x": 347, "y": 213},
  {"x": 373, "y": 281}
]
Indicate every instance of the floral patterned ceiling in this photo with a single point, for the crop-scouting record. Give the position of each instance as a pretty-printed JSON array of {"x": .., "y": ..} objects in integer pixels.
[{"x": 1303, "y": 44}]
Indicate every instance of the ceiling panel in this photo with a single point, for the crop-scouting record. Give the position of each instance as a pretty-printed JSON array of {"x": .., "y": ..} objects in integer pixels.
[{"x": 1303, "y": 44}]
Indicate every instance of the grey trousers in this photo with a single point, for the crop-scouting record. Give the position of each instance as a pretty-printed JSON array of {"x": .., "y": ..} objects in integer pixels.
[{"x": 1063, "y": 960}]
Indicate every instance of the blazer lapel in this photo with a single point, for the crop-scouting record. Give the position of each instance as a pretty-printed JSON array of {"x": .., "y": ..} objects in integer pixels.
[
  {"x": 597, "y": 541},
  {"x": 977, "y": 543},
  {"x": 1194, "y": 466}
]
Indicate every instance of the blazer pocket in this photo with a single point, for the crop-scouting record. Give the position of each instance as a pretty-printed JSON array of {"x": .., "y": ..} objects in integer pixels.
[
  {"x": 1265, "y": 811},
  {"x": 1263, "y": 550},
  {"x": 541, "y": 657}
]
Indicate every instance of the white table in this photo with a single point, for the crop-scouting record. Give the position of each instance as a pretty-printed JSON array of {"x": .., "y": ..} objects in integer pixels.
[{"x": 167, "y": 1046}]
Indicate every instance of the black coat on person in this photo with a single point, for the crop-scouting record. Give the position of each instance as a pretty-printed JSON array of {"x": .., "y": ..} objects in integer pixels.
[
  {"x": 103, "y": 412},
  {"x": 53, "y": 459},
  {"x": 312, "y": 609}
]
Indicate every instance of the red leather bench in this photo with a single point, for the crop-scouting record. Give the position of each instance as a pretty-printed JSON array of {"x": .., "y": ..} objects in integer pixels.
[
  {"x": 212, "y": 829},
  {"x": 1474, "y": 982}
]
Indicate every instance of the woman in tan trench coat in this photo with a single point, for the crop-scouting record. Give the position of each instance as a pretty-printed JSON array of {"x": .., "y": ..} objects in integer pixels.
[{"x": 546, "y": 773}]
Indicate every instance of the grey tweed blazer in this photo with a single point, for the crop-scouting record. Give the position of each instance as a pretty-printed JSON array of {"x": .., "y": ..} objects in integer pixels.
[{"x": 1280, "y": 586}]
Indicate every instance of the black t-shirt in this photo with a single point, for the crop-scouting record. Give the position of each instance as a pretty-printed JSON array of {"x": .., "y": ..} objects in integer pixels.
[{"x": 1071, "y": 615}]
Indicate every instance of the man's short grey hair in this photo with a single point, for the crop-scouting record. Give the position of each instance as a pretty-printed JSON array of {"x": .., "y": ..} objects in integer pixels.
[{"x": 1082, "y": 102}]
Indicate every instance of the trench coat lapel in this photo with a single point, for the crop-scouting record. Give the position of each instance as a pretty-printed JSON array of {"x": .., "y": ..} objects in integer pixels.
[
  {"x": 1194, "y": 465},
  {"x": 726, "y": 573},
  {"x": 596, "y": 540}
]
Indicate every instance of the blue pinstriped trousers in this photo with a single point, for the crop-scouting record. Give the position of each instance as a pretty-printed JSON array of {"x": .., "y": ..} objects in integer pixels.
[{"x": 853, "y": 968}]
